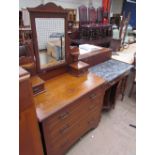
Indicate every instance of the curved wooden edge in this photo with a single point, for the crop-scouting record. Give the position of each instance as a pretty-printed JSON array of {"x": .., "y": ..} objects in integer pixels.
[
  {"x": 23, "y": 74},
  {"x": 48, "y": 7}
]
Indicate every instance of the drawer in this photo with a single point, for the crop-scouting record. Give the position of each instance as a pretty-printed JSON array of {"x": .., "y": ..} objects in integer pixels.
[
  {"x": 73, "y": 121},
  {"x": 57, "y": 129},
  {"x": 95, "y": 104},
  {"x": 94, "y": 94},
  {"x": 59, "y": 147},
  {"x": 74, "y": 110}
]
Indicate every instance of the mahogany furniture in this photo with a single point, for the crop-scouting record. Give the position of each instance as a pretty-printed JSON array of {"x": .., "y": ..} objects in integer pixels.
[
  {"x": 134, "y": 77},
  {"x": 71, "y": 105},
  {"x": 25, "y": 35},
  {"x": 113, "y": 90},
  {"x": 78, "y": 68},
  {"x": 52, "y": 13},
  {"x": 83, "y": 19},
  {"x": 96, "y": 57},
  {"x": 71, "y": 18},
  {"x": 116, "y": 44},
  {"x": 115, "y": 19},
  {"x": 29, "y": 134},
  {"x": 92, "y": 15},
  {"x": 96, "y": 34},
  {"x": 69, "y": 108},
  {"x": 115, "y": 73},
  {"x": 100, "y": 14},
  {"x": 37, "y": 85},
  {"x": 27, "y": 57}
]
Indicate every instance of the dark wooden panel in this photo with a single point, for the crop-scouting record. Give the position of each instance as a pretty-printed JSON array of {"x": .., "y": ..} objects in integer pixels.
[{"x": 29, "y": 135}]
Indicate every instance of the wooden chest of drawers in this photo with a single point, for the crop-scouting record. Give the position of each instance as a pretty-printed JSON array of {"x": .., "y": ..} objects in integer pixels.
[
  {"x": 62, "y": 128},
  {"x": 69, "y": 124}
]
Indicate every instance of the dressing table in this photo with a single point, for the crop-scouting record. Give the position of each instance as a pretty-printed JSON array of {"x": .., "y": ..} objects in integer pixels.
[{"x": 68, "y": 106}]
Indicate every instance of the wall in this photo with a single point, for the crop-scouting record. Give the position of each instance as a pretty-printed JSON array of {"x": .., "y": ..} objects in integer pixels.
[
  {"x": 130, "y": 7},
  {"x": 116, "y": 6},
  {"x": 64, "y": 3}
]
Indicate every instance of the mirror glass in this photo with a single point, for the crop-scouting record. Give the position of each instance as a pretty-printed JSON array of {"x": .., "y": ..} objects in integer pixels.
[{"x": 51, "y": 41}]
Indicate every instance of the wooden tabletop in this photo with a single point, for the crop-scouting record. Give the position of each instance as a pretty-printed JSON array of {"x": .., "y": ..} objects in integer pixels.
[
  {"x": 79, "y": 65},
  {"x": 63, "y": 90},
  {"x": 89, "y": 53},
  {"x": 36, "y": 80}
]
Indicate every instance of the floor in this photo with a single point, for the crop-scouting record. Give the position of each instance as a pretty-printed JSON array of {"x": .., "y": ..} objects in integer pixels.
[
  {"x": 126, "y": 55},
  {"x": 113, "y": 136}
]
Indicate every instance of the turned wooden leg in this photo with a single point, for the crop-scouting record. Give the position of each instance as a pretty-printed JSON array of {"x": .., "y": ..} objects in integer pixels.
[
  {"x": 132, "y": 88},
  {"x": 124, "y": 87},
  {"x": 133, "y": 83}
]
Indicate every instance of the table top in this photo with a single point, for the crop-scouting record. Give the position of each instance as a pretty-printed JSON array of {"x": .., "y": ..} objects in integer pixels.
[
  {"x": 63, "y": 90},
  {"x": 110, "y": 69},
  {"x": 89, "y": 50}
]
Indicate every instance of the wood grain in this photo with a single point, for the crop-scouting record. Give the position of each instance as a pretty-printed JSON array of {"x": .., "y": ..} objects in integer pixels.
[
  {"x": 29, "y": 134},
  {"x": 63, "y": 90}
]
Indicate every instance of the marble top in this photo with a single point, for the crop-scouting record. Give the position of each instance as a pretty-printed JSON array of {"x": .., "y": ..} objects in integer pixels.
[{"x": 110, "y": 69}]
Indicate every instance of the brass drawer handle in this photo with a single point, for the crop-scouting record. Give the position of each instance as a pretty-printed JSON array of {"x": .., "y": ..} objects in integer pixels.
[
  {"x": 64, "y": 115},
  {"x": 65, "y": 129},
  {"x": 93, "y": 96}
]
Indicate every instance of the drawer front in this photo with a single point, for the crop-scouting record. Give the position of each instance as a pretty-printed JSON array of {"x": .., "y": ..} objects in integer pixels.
[
  {"x": 72, "y": 121},
  {"x": 74, "y": 110},
  {"x": 57, "y": 129},
  {"x": 60, "y": 146},
  {"x": 57, "y": 132}
]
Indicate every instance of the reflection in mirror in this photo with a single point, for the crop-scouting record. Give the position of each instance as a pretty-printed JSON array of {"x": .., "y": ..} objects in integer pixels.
[{"x": 51, "y": 41}]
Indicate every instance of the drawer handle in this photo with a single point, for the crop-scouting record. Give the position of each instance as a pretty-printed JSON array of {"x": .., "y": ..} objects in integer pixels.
[
  {"x": 93, "y": 96},
  {"x": 64, "y": 115},
  {"x": 36, "y": 89},
  {"x": 65, "y": 129},
  {"x": 92, "y": 106},
  {"x": 112, "y": 83}
]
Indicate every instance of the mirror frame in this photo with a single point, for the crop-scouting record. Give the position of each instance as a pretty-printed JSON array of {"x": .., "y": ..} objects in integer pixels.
[{"x": 49, "y": 10}]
